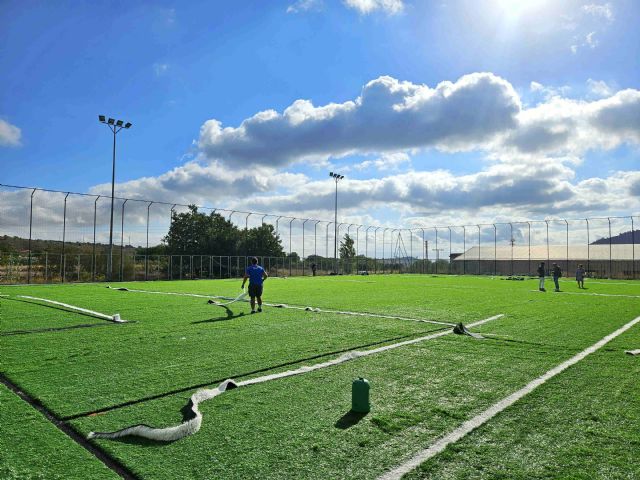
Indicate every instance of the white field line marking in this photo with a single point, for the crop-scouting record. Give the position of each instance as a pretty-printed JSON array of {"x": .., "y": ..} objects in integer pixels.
[
  {"x": 292, "y": 307},
  {"x": 492, "y": 411},
  {"x": 593, "y": 294},
  {"x": 112, "y": 318},
  {"x": 192, "y": 426}
]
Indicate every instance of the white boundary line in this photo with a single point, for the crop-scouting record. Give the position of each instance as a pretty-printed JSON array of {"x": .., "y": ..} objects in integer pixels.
[
  {"x": 492, "y": 411},
  {"x": 192, "y": 426},
  {"x": 291, "y": 307},
  {"x": 112, "y": 318},
  {"x": 593, "y": 294}
]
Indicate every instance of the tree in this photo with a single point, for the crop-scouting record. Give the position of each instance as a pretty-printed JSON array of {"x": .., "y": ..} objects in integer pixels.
[
  {"x": 347, "y": 249},
  {"x": 195, "y": 233},
  {"x": 262, "y": 241}
]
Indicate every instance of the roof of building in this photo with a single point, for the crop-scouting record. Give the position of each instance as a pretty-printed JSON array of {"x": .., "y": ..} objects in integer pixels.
[{"x": 555, "y": 252}]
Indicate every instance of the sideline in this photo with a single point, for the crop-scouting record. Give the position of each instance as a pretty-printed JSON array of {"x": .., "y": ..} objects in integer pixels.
[{"x": 498, "y": 407}]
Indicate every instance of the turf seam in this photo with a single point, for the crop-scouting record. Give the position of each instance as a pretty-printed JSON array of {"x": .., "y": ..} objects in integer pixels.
[
  {"x": 68, "y": 430},
  {"x": 242, "y": 375},
  {"x": 53, "y": 329}
]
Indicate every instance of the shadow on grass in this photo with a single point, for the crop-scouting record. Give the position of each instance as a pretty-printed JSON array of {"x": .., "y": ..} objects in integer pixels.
[
  {"x": 229, "y": 316},
  {"x": 349, "y": 419}
]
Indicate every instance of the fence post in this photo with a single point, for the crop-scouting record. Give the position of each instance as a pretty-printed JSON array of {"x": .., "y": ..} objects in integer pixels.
[
  {"x": 122, "y": 241},
  {"x": 64, "y": 232},
  {"x": 610, "y": 262},
  {"x": 478, "y": 249},
  {"x": 633, "y": 250},
  {"x": 358, "y": 246},
  {"x": 548, "y": 259},
  {"x": 146, "y": 257},
  {"x": 588, "y": 245},
  {"x": 529, "y": 239},
  {"x": 495, "y": 250},
  {"x": 94, "y": 263},
  {"x": 304, "y": 271},
  {"x": 464, "y": 250},
  {"x": 450, "y": 259},
  {"x": 437, "y": 250},
  {"x": 30, "y": 226},
  {"x": 567, "y": 225},
  {"x": 290, "y": 247},
  {"x": 512, "y": 241}
]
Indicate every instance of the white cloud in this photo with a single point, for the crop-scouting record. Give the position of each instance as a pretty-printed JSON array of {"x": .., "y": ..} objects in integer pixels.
[
  {"x": 386, "y": 161},
  {"x": 604, "y": 11},
  {"x": 9, "y": 134},
  {"x": 305, "y": 6},
  {"x": 388, "y": 116},
  {"x": 599, "y": 88},
  {"x": 365, "y": 7}
]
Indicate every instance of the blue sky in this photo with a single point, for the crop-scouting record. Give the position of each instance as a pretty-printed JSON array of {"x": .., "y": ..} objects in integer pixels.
[{"x": 436, "y": 112}]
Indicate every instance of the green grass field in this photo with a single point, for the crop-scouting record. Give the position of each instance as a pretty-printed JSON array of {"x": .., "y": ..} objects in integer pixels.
[{"x": 96, "y": 375}]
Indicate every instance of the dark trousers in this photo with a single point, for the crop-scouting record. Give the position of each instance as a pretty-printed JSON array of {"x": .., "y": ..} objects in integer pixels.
[{"x": 555, "y": 280}]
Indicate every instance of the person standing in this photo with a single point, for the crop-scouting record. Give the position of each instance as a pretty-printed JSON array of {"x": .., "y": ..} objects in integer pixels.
[
  {"x": 541, "y": 277},
  {"x": 557, "y": 273},
  {"x": 580, "y": 276},
  {"x": 313, "y": 269},
  {"x": 256, "y": 276}
]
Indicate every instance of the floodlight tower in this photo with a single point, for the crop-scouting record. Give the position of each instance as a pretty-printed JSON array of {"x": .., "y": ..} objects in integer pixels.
[
  {"x": 115, "y": 126},
  {"x": 337, "y": 177}
]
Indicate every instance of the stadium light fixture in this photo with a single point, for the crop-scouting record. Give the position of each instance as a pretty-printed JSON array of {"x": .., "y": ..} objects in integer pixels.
[
  {"x": 337, "y": 177},
  {"x": 115, "y": 127}
]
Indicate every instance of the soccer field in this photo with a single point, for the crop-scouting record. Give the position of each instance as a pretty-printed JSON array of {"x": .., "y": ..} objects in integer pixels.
[{"x": 84, "y": 374}]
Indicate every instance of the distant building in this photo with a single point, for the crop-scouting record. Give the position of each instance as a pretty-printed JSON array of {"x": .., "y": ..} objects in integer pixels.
[{"x": 612, "y": 261}]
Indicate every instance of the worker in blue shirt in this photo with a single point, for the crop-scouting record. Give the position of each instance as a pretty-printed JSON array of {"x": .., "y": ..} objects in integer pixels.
[{"x": 256, "y": 276}]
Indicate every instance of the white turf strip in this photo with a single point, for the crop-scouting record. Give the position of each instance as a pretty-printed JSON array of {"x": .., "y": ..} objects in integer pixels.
[
  {"x": 492, "y": 411},
  {"x": 192, "y": 426},
  {"x": 291, "y": 307},
  {"x": 112, "y": 318},
  {"x": 593, "y": 294}
]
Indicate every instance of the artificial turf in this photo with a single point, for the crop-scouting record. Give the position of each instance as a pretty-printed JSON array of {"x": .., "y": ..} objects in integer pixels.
[{"x": 299, "y": 427}]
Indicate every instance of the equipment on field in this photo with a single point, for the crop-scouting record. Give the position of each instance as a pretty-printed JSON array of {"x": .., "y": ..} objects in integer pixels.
[
  {"x": 460, "y": 329},
  {"x": 240, "y": 297},
  {"x": 360, "y": 396}
]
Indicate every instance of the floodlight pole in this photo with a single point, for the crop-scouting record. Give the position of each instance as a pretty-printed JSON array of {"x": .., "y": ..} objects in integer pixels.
[
  {"x": 115, "y": 126},
  {"x": 337, "y": 177}
]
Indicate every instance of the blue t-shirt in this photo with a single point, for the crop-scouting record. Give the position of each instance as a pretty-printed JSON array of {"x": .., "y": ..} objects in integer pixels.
[{"x": 254, "y": 272}]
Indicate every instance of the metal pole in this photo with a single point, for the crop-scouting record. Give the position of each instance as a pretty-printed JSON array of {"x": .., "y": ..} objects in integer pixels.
[
  {"x": 303, "y": 267},
  {"x": 610, "y": 262},
  {"x": 375, "y": 249},
  {"x": 437, "y": 251},
  {"x": 122, "y": 242},
  {"x": 290, "y": 249},
  {"x": 411, "y": 246},
  {"x": 450, "y": 259},
  {"x": 529, "y": 238},
  {"x": 30, "y": 226},
  {"x": 495, "y": 249},
  {"x": 478, "y": 249},
  {"x": 633, "y": 250},
  {"x": 315, "y": 240},
  {"x": 146, "y": 257},
  {"x": 113, "y": 186},
  {"x": 424, "y": 256},
  {"x": 94, "y": 263},
  {"x": 588, "y": 245},
  {"x": 548, "y": 259},
  {"x": 326, "y": 238},
  {"x": 366, "y": 247},
  {"x": 64, "y": 232},
  {"x": 335, "y": 238},
  {"x": 358, "y": 253},
  {"x": 464, "y": 249},
  {"x": 512, "y": 241},
  {"x": 567, "y": 225}
]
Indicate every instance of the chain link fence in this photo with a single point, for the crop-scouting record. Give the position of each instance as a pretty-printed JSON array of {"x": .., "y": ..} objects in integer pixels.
[{"x": 50, "y": 236}]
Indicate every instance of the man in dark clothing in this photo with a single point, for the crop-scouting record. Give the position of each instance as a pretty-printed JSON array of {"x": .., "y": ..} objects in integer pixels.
[
  {"x": 256, "y": 275},
  {"x": 557, "y": 273},
  {"x": 313, "y": 269},
  {"x": 541, "y": 276}
]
